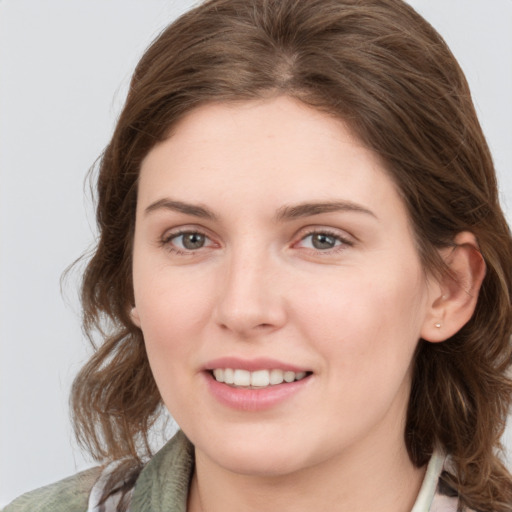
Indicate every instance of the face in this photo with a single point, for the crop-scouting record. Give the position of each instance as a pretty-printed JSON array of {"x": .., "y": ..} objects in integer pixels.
[{"x": 272, "y": 252}]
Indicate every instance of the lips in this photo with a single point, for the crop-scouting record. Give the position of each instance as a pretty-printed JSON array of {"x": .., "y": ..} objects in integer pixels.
[
  {"x": 252, "y": 365},
  {"x": 256, "y": 384}
]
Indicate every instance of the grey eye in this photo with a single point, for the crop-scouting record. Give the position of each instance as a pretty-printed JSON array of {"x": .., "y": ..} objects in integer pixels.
[
  {"x": 323, "y": 241},
  {"x": 191, "y": 241}
]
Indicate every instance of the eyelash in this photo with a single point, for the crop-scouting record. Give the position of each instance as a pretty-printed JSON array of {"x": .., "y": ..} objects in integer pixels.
[
  {"x": 345, "y": 242},
  {"x": 166, "y": 241}
]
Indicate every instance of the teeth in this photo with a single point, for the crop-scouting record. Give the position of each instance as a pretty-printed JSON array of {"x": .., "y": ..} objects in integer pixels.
[
  {"x": 229, "y": 376},
  {"x": 242, "y": 378},
  {"x": 260, "y": 379},
  {"x": 257, "y": 379},
  {"x": 276, "y": 376},
  {"x": 219, "y": 375},
  {"x": 289, "y": 376}
]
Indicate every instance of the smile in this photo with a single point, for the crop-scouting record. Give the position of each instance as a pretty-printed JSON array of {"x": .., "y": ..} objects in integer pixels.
[
  {"x": 255, "y": 385},
  {"x": 257, "y": 379}
]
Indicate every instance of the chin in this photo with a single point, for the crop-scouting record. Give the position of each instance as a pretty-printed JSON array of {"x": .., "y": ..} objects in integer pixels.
[
  {"x": 263, "y": 454},
  {"x": 260, "y": 463}
]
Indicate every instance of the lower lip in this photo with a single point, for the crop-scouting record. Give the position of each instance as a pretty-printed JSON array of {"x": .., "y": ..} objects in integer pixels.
[{"x": 245, "y": 399}]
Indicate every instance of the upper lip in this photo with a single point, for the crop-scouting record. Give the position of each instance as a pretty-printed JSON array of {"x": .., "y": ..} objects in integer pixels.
[{"x": 260, "y": 363}]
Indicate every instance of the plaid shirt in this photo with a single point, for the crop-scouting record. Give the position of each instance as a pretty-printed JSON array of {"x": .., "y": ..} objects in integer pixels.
[{"x": 433, "y": 495}]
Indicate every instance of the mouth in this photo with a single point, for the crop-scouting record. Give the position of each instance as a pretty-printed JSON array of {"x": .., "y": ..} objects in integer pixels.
[
  {"x": 259, "y": 379},
  {"x": 256, "y": 385}
]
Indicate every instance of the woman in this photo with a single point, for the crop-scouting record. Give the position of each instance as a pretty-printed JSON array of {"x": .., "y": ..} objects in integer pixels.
[{"x": 303, "y": 257}]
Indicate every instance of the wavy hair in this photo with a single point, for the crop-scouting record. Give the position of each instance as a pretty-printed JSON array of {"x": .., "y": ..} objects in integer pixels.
[{"x": 380, "y": 67}]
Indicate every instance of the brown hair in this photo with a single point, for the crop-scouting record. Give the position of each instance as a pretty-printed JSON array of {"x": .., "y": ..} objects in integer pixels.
[{"x": 384, "y": 70}]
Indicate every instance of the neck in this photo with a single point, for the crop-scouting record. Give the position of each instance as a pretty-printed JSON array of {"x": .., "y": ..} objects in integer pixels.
[{"x": 381, "y": 479}]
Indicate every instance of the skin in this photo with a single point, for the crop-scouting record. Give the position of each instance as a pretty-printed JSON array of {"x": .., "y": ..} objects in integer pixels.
[{"x": 260, "y": 286}]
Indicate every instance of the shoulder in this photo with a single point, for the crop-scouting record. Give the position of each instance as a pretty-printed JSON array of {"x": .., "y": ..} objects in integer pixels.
[
  {"x": 161, "y": 485},
  {"x": 68, "y": 495}
]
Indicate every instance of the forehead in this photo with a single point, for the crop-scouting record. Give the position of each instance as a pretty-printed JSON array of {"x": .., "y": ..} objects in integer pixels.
[{"x": 264, "y": 153}]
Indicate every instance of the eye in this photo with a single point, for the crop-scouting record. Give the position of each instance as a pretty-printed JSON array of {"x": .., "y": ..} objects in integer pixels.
[
  {"x": 323, "y": 241},
  {"x": 187, "y": 241}
]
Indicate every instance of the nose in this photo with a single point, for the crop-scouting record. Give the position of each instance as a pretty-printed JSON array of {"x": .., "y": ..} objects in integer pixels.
[{"x": 251, "y": 301}]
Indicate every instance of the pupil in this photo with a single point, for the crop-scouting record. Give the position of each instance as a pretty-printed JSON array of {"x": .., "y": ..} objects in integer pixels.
[
  {"x": 323, "y": 241},
  {"x": 193, "y": 241}
]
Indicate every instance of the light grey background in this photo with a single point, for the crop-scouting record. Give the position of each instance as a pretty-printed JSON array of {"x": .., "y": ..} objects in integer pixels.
[{"x": 64, "y": 68}]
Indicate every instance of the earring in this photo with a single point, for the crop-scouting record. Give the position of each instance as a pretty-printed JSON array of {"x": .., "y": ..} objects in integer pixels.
[{"x": 438, "y": 325}]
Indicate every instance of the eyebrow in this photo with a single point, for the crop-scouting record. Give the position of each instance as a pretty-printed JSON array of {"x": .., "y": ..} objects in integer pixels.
[
  {"x": 285, "y": 213},
  {"x": 181, "y": 207},
  {"x": 308, "y": 209}
]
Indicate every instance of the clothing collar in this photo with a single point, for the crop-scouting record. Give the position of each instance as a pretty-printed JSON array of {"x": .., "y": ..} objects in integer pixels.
[
  {"x": 163, "y": 484},
  {"x": 429, "y": 486}
]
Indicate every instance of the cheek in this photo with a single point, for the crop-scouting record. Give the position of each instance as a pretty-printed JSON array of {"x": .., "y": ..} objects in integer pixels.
[
  {"x": 173, "y": 309},
  {"x": 170, "y": 303},
  {"x": 366, "y": 322},
  {"x": 358, "y": 327},
  {"x": 171, "y": 319}
]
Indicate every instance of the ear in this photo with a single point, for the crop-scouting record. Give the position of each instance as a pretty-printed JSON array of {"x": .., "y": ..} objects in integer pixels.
[
  {"x": 453, "y": 297},
  {"x": 134, "y": 315}
]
